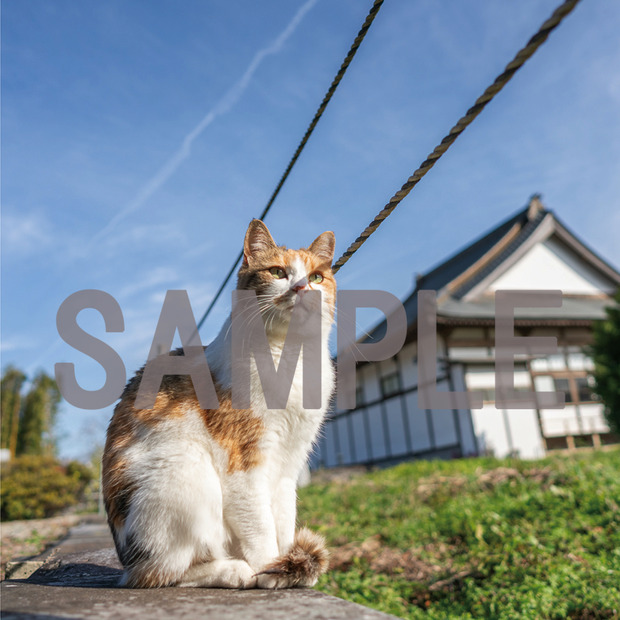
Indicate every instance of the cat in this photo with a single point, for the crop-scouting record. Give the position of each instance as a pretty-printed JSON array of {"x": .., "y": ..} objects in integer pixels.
[{"x": 207, "y": 497}]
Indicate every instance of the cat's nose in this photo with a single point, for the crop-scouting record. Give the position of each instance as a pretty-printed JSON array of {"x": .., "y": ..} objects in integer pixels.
[{"x": 300, "y": 286}]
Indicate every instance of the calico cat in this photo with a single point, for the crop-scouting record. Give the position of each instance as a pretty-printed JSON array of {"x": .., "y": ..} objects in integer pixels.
[{"x": 207, "y": 497}]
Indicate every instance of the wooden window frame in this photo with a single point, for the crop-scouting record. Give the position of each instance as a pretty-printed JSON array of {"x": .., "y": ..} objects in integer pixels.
[
  {"x": 399, "y": 388},
  {"x": 571, "y": 376}
]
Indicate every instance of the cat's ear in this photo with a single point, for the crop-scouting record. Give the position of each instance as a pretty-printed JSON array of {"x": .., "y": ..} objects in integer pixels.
[
  {"x": 257, "y": 239},
  {"x": 323, "y": 246}
]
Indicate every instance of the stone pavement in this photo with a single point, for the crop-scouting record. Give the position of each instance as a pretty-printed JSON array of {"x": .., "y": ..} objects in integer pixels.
[{"x": 78, "y": 579}]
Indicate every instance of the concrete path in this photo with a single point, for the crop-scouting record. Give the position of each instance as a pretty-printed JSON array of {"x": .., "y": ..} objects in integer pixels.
[{"x": 78, "y": 579}]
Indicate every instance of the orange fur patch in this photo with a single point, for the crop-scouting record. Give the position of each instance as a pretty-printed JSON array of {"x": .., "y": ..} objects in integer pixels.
[
  {"x": 237, "y": 431},
  {"x": 116, "y": 486}
]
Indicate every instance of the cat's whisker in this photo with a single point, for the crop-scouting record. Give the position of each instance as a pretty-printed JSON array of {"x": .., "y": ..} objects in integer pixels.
[
  {"x": 238, "y": 315},
  {"x": 358, "y": 328},
  {"x": 245, "y": 328}
]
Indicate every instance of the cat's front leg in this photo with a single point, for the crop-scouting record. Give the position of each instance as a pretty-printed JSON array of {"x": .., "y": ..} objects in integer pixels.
[
  {"x": 284, "y": 507},
  {"x": 247, "y": 510},
  {"x": 303, "y": 555}
]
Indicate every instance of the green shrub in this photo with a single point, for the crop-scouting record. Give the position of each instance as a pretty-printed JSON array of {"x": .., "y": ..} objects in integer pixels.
[
  {"x": 605, "y": 353},
  {"x": 35, "y": 487}
]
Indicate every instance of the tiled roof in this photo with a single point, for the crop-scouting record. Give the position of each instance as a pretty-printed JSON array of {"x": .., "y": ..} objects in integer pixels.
[
  {"x": 443, "y": 274},
  {"x": 462, "y": 272}
]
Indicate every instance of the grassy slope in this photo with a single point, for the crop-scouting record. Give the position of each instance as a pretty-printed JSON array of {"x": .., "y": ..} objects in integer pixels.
[{"x": 476, "y": 538}]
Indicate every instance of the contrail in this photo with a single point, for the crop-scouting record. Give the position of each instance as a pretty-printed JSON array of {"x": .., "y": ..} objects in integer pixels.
[{"x": 228, "y": 100}]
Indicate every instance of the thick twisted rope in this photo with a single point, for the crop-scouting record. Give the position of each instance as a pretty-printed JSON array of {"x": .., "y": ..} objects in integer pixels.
[
  {"x": 332, "y": 89},
  {"x": 519, "y": 60}
]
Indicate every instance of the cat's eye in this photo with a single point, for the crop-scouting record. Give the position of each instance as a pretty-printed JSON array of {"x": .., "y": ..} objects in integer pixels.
[
  {"x": 315, "y": 278},
  {"x": 277, "y": 272}
]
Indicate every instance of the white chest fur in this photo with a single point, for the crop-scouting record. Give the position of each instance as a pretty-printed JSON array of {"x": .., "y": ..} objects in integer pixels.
[{"x": 289, "y": 431}]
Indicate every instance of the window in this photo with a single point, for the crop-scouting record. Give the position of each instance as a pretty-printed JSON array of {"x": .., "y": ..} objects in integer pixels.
[
  {"x": 584, "y": 389},
  {"x": 563, "y": 385},
  {"x": 578, "y": 387},
  {"x": 390, "y": 385},
  {"x": 556, "y": 443}
]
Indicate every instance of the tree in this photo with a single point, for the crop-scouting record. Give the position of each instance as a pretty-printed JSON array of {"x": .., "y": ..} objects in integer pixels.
[
  {"x": 38, "y": 414},
  {"x": 605, "y": 352},
  {"x": 12, "y": 382}
]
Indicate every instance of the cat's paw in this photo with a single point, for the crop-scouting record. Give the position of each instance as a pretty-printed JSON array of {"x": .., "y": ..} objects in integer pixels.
[
  {"x": 273, "y": 580},
  {"x": 235, "y": 574},
  {"x": 238, "y": 574}
]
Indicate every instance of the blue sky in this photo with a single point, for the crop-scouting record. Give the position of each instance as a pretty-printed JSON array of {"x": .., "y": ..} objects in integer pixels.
[{"x": 139, "y": 137}]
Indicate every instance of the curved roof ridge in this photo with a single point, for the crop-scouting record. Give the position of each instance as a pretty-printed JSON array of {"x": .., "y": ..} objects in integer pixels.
[
  {"x": 443, "y": 273},
  {"x": 524, "y": 234}
]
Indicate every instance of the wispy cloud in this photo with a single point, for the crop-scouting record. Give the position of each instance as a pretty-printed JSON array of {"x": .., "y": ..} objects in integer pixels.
[
  {"x": 159, "y": 278},
  {"x": 44, "y": 357},
  {"x": 224, "y": 105},
  {"x": 144, "y": 235},
  {"x": 14, "y": 344},
  {"x": 25, "y": 234}
]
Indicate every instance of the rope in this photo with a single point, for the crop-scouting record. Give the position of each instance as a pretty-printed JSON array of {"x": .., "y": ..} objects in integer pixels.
[
  {"x": 332, "y": 89},
  {"x": 519, "y": 60}
]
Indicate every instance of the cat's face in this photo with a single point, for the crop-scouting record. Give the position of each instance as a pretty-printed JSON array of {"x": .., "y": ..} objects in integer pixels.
[{"x": 281, "y": 277}]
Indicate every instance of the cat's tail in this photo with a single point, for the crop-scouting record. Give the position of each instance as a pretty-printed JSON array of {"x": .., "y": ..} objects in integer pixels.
[{"x": 302, "y": 566}]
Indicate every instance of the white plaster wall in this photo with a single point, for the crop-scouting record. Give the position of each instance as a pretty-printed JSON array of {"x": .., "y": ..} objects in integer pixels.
[
  {"x": 420, "y": 436},
  {"x": 544, "y": 383},
  {"x": 525, "y": 431},
  {"x": 377, "y": 438},
  {"x": 344, "y": 456},
  {"x": 558, "y": 422},
  {"x": 369, "y": 380},
  {"x": 578, "y": 360},
  {"x": 540, "y": 364},
  {"x": 359, "y": 437},
  {"x": 548, "y": 363},
  {"x": 551, "y": 265},
  {"x": 593, "y": 418},
  {"x": 409, "y": 369},
  {"x": 445, "y": 431},
  {"x": 396, "y": 426},
  {"x": 479, "y": 379},
  {"x": 556, "y": 362},
  {"x": 484, "y": 378},
  {"x": 443, "y": 422},
  {"x": 468, "y": 442},
  {"x": 493, "y": 426},
  {"x": 490, "y": 431},
  {"x": 328, "y": 449}
]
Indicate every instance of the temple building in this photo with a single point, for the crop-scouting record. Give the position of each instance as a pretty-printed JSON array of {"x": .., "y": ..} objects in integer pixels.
[{"x": 532, "y": 250}]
